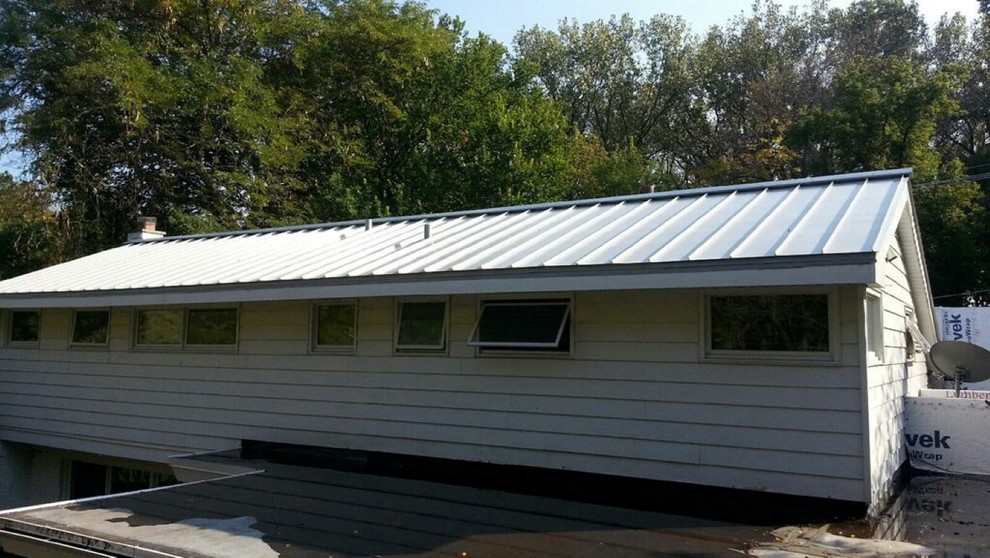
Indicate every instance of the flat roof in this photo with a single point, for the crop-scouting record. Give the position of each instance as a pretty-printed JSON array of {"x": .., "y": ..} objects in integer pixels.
[{"x": 304, "y": 512}]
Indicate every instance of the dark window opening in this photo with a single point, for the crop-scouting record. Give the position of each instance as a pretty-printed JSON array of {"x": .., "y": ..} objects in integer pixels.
[
  {"x": 528, "y": 325},
  {"x": 784, "y": 323},
  {"x": 24, "y": 326},
  {"x": 91, "y": 327}
]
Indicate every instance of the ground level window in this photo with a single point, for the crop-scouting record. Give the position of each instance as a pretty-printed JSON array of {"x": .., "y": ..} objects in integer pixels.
[
  {"x": 91, "y": 327},
  {"x": 94, "y": 479},
  {"x": 335, "y": 326},
  {"x": 24, "y": 326},
  {"x": 775, "y": 323},
  {"x": 211, "y": 326},
  {"x": 523, "y": 325},
  {"x": 422, "y": 326}
]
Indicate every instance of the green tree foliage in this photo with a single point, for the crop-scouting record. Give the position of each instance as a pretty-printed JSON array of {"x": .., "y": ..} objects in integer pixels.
[
  {"x": 27, "y": 227},
  {"x": 956, "y": 232},
  {"x": 884, "y": 115},
  {"x": 221, "y": 114},
  {"x": 629, "y": 85}
]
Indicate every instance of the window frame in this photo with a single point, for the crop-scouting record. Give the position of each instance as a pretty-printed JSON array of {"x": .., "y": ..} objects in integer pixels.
[
  {"x": 183, "y": 344},
  {"x": 873, "y": 325},
  {"x": 75, "y": 324},
  {"x": 564, "y": 329},
  {"x": 158, "y": 346},
  {"x": 422, "y": 349},
  {"x": 830, "y": 357},
  {"x": 8, "y": 334},
  {"x": 187, "y": 313},
  {"x": 314, "y": 328}
]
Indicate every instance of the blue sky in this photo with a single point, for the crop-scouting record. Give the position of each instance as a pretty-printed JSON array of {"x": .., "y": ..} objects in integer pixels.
[{"x": 501, "y": 19}]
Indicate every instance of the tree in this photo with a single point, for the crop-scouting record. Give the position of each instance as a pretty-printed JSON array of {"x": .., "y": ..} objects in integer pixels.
[
  {"x": 28, "y": 229},
  {"x": 955, "y": 226},
  {"x": 621, "y": 82},
  {"x": 152, "y": 107},
  {"x": 884, "y": 115},
  {"x": 224, "y": 114}
]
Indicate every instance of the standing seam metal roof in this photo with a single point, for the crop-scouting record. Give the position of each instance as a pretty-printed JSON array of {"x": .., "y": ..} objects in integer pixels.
[{"x": 844, "y": 214}]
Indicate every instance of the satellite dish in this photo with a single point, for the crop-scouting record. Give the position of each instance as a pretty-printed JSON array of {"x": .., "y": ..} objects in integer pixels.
[{"x": 961, "y": 361}]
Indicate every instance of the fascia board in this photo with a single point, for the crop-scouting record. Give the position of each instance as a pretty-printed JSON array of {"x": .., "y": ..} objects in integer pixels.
[{"x": 757, "y": 272}]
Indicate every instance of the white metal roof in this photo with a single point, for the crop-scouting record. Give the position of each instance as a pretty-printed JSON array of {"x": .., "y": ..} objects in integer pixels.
[{"x": 823, "y": 230}]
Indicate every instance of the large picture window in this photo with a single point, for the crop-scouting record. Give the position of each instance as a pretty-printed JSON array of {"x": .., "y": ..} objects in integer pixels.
[
  {"x": 422, "y": 326},
  {"x": 91, "y": 327},
  {"x": 24, "y": 326},
  {"x": 523, "y": 325},
  {"x": 335, "y": 326},
  {"x": 782, "y": 324}
]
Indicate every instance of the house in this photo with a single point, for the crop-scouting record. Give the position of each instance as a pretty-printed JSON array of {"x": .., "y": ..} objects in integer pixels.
[{"x": 755, "y": 337}]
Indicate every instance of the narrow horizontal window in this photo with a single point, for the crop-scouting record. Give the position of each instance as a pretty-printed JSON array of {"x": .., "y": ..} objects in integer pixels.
[
  {"x": 795, "y": 323},
  {"x": 91, "y": 327},
  {"x": 523, "y": 325},
  {"x": 335, "y": 326},
  {"x": 159, "y": 328},
  {"x": 24, "y": 326},
  {"x": 422, "y": 326},
  {"x": 211, "y": 326}
]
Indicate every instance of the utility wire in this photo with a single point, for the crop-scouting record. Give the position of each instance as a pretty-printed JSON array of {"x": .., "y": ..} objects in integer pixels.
[
  {"x": 959, "y": 180},
  {"x": 981, "y": 291}
]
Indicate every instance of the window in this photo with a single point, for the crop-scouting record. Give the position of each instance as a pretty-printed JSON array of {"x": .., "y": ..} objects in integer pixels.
[
  {"x": 335, "y": 326},
  {"x": 94, "y": 479},
  {"x": 772, "y": 324},
  {"x": 211, "y": 327},
  {"x": 523, "y": 325},
  {"x": 24, "y": 326},
  {"x": 158, "y": 328},
  {"x": 422, "y": 326},
  {"x": 874, "y": 326},
  {"x": 173, "y": 328},
  {"x": 91, "y": 327}
]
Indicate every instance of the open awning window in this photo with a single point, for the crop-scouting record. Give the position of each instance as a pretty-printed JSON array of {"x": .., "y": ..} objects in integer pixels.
[{"x": 522, "y": 325}]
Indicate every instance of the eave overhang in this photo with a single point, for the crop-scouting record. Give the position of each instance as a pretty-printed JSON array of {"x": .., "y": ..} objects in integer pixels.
[{"x": 818, "y": 270}]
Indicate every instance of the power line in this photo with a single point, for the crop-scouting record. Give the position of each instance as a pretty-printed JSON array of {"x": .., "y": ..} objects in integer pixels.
[
  {"x": 958, "y": 180},
  {"x": 980, "y": 291}
]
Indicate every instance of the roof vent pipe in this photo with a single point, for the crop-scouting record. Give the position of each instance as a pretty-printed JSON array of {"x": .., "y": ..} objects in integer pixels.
[
  {"x": 146, "y": 230},
  {"x": 426, "y": 231},
  {"x": 647, "y": 189},
  {"x": 367, "y": 225}
]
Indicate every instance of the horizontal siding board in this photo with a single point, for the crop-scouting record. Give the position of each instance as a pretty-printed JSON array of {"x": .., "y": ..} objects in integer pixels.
[
  {"x": 323, "y": 368},
  {"x": 673, "y": 413},
  {"x": 779, "y": 397},
  {"x": 278, "y": 415}
]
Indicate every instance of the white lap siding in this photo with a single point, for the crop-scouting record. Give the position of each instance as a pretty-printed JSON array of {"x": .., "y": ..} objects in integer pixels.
[
  {"x": 888, "y": 380},
  {"x": 635, "y": 398}
]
